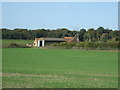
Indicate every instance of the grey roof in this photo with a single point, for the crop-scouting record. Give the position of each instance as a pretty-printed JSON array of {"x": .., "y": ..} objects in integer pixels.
[{"x": 53, "y": 39}]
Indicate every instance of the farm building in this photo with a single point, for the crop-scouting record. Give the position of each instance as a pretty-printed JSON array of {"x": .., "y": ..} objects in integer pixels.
[{"x": 40, "y": 42}]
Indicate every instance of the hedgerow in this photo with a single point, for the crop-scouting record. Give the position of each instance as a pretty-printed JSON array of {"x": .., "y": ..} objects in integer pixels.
[{"x": 88, "y": 45}]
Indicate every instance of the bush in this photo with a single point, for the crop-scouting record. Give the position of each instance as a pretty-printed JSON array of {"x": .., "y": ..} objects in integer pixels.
[
  {"x": 15, "y": 45},
  {"x": 67, "y": 45},
  {"x": 88, "y": 45},
  {"x": 98, "y": 45},
  {"x": 55, "y": 44},
  {"x": 80, "y": 45}
]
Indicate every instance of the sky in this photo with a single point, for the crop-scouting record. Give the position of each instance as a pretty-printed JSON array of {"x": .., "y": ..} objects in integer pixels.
[{"x": 53, "y": 15}]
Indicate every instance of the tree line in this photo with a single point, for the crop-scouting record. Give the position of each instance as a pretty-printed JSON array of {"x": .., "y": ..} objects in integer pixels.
[{"x": 91, "y": 35}]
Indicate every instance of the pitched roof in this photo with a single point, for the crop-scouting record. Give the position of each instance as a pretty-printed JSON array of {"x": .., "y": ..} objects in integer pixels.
[
  {"x": 51, "y": 39},
  {"x": 68, "y": 39}
]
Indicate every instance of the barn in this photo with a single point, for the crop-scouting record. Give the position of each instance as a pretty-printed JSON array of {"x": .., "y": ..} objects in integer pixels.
[{"x": 40, "y": 42}]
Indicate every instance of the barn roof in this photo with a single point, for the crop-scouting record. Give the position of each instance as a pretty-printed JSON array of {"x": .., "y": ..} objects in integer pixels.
[
  {"x": 52, "y": 39},
  {"x": 68, "y": 39}
]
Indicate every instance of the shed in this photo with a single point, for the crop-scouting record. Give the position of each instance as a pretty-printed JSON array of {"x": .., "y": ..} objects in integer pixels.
[{"x": 40, "y": 42}]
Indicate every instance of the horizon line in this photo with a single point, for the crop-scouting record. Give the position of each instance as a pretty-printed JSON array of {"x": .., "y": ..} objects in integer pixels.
[{"x": 74, "y": 29}]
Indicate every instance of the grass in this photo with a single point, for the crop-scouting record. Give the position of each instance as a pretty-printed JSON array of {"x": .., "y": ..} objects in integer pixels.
[
  {"x": 7, "y": 42},
  {"x": 52, "y": 68}
]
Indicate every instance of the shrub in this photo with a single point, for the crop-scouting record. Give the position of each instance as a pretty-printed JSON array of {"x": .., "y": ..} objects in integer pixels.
[
  {"x": 15, "y": 45},
  {"x": 98, "y": 45},
  {"x": 55, "y": 44},
  {"x": 80, "y": 45},
  {"x": 67, "y": 45},
  {"x": 88, "y": 45}
]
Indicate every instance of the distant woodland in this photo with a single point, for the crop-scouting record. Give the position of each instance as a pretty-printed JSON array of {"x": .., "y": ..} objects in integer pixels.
[{"x": 92, "y": 35}]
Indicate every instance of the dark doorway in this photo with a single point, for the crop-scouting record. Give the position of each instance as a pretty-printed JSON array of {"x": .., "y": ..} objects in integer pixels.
[{"x": 40, "y": 43}]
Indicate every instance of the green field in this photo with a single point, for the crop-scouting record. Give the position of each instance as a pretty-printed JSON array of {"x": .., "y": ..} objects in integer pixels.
[
  {"x": 53, "y": 68},
  {"x": 7, "y": 42}
]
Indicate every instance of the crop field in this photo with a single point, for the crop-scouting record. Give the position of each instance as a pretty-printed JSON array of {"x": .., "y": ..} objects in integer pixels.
[{"x": 59, "y": 68}]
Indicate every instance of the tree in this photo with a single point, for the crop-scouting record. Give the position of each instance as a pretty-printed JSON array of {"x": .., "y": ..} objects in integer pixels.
[
  {"x": 81, "y": 34},
  {"x": 99, "y": 32},
  {"x": 104, "y": 37},
  {"x": 90, "y": 35}
]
